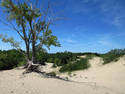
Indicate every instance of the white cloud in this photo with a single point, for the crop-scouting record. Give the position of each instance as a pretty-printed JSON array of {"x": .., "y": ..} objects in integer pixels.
[
  {"x": 69, "y": 41},
  {"x": 104, "y": 42},
  {"x": 117, "y": 21}
]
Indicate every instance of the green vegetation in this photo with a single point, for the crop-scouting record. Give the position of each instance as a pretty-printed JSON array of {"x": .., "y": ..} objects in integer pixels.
[
  {"x": 60, "y": 59},
  {"x": 89, "y": 54},
  {"x": 42, "y": 56},
  {"x": 112, "y": 55},
  {"x": 11, "y": 59},
  {"x": 78, "y": 65},
  {"x": 68, "y": 61},
  {"x": 52, "y": 74}
]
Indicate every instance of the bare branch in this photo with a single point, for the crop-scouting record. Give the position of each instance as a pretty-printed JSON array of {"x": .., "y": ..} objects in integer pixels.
[
  {"x": 10, "y": 25},
  {"x": 17, "y": 30}
]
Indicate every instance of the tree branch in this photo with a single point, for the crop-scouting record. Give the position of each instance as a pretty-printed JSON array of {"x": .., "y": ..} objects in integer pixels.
[
  {"x": 17, "y": 31},
  {"x": 12, "y": 27}
]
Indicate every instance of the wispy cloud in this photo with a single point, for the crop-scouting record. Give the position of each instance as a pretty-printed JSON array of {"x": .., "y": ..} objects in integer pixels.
[
  {"x": 106, "y": 43},
  {"x": 117, "y": 21},
  {"x": 69, "y": 41},
  {"x": 113, "y": 11},
  {"x": 109, "y": 41},
  {"x": 78, "y": 7}
]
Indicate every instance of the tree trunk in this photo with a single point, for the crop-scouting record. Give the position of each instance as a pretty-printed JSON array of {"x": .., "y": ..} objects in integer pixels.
[
  {"x": 30, "y": 64},
  {"x": 33, "y": 44},
  {"x": 33, "y": 52},
  {"x": 27, "y": 52}
]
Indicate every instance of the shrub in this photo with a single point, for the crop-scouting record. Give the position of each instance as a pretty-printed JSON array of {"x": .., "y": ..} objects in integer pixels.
[
  {"x": 52, "y": 74},
  {"x": 78, "y": 65},
  {"x": 89, "y": 54},
  {"x": 60, "y": 59},
  {"x": 57, "y": 62},
  {"x": 10, "y": 59},
  {"x": 113, "y": 55},
  {"x": 21, "y": 63},
  {"x": 41, "y": 56}
]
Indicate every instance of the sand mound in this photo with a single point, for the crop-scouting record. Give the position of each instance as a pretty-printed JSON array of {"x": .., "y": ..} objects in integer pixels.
[
  {"x": 111, "y": 76},
  {"x": 96, "y": 62},
  {"x": 108, "y": 79}
]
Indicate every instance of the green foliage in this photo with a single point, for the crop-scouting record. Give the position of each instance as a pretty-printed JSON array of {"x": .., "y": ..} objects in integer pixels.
[
  {"x": 10, "y": 59},
  {"x": 113, "y": 55},
  {"x": 87, "y": 54},
  {"x": 60, "y": 59},
  {"x": 42, "y": 57},
  {"x": 78, "y": 65},
  {"x": 70, "y": 73},
  {"x": 21, "y": 63},
  {"x": 50, "y": 60},
  {"x": 10, "y": 40},
  {"x": 48, "y": 39},
  {"x": 57, "y": 62},
  {"x": 52, "y": 74}
]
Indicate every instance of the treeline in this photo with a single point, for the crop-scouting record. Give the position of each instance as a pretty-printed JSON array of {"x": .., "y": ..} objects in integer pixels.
[
  {"x": 11, "y": 59},
  {"x": 68, "y": 61},
  {"x": 112, "y": 55}
]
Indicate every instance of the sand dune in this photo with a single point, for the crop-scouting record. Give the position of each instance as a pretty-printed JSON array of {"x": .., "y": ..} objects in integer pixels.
[
  {"x": 111, "y": 76},
  {"x": 107, "y": 79}
]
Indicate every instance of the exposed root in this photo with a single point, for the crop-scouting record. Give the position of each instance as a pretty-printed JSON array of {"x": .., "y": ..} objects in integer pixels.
[
  {"x": 36, "y": 68},
  {"x": 32, "y": 68}
]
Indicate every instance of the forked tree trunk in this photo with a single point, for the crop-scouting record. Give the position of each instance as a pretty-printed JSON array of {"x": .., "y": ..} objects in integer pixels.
[{"x": 31, "y": 64}]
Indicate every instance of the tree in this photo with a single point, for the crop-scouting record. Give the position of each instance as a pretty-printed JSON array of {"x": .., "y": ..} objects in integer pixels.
[{"x": 31, "y": 24}]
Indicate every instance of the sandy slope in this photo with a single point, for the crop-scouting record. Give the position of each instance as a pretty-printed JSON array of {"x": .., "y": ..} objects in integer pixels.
[
  {"x": 111, "y": 76},
  {"x": 108, "y": 79}
]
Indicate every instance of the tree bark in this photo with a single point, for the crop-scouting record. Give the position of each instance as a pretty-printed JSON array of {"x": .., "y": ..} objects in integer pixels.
[
  {"x": 33, "y": 52},
  {"x": 33, "y": 44},
  {"x": 27, "y": 52}
]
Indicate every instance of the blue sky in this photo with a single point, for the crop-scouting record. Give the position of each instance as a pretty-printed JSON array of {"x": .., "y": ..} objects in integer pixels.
[{"x": 89, "y": 25}]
